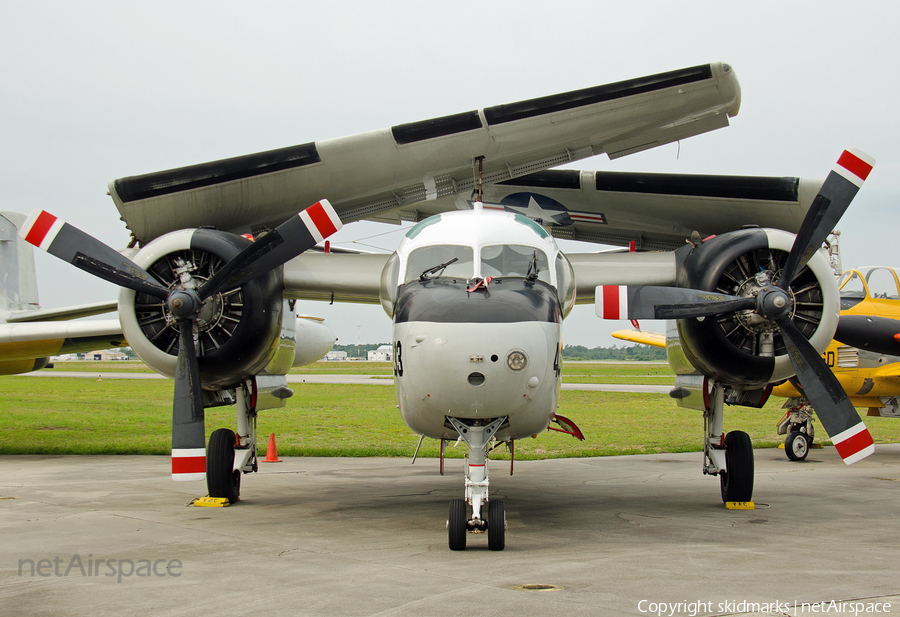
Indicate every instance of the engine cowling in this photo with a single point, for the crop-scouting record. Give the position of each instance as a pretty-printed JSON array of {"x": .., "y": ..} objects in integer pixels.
[
  {"x": 741, "y": 349},
  {"x": 237, "y": 332}
]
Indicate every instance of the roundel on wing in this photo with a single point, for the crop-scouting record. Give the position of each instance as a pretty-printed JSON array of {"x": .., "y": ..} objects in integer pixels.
[{"x": 538, "y": 207}]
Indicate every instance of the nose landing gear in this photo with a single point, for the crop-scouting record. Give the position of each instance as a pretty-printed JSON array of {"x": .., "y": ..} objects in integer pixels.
[{"x": 477, "y": 437}]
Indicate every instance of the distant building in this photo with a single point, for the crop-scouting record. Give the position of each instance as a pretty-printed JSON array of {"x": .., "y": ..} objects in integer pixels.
[
  {"x": 385, "y": 353},
  {"x": 98, "y": 356},
  {"x": 336, "y": 355}
]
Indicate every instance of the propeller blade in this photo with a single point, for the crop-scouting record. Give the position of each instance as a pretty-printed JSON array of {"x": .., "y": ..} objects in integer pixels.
[
  {"x": 871, "y": 333},
  {"x": 288, "y": 240},
  {"x": 85, "y": 252},
  {"x": 839, "y": 418},
  {"x": 188, "y": 428},
  {"x": 652, "y": 302},
  {"x": 840, "y": 187}
]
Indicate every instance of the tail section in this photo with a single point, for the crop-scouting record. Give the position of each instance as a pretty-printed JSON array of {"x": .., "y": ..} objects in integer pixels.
[{"x": 18, "y": 282}]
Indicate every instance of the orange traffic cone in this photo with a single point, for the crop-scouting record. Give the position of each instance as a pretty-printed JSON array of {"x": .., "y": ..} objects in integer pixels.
[{"x": 271, "y": 452}]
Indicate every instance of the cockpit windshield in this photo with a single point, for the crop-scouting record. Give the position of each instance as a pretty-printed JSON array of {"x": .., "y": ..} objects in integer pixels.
[
  {"x": 853, "y": 291},
  {"x": 440, "y": 260},
  {"x": 882, "y": 284},
  {"x": 499, "y": 260}
]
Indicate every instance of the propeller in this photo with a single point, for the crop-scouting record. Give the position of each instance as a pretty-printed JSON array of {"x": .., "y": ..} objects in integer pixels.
[
  {"x": 185, "y": 301},
  {"x": 771, "y": 303}
]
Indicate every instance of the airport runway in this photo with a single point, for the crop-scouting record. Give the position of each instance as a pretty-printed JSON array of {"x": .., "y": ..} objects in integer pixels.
[
  {"x": 319, "y": 536},
  {"x": 365, "y": 380}
]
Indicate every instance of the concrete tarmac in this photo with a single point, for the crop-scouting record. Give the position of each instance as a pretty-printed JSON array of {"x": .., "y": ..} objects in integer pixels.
[{"x": 630, "y": 535}]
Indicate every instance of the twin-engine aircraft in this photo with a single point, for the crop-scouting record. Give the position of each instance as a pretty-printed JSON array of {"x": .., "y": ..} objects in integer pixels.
[{"x": 476, "y": 296}]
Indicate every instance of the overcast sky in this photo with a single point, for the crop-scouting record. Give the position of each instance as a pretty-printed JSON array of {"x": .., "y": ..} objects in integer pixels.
[{"x": 95, "y": 90}]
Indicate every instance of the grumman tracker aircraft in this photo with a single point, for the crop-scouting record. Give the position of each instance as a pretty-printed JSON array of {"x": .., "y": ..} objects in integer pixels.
[
  {"x": 476, "y": 296},
  {"x": 477, "y": 299}
]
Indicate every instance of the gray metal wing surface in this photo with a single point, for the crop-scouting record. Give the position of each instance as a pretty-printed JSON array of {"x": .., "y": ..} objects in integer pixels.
[{"x": 407, "y": 164}]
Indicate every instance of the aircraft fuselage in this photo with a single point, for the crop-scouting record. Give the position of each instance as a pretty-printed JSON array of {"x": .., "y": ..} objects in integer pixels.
[{"x": 480, "y": 354}]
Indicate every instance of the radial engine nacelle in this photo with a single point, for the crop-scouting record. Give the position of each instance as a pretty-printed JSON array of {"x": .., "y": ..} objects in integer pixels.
[
  {"x": 741, "y": 348},
  {"x": 239, "y": 333}
]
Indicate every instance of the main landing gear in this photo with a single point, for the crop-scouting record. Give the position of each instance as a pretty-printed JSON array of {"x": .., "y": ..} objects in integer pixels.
[
  {"x": 477, "y": 434},
  {"x": 230, "y": 454},
  {"x": 797, "y": 425},
  {"x": 728, "y": 456}
]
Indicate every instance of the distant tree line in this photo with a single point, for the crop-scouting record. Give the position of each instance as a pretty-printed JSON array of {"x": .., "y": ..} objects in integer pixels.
[
  {"x": 633, "y": 352},
  {"x": 570, "y": 352}
]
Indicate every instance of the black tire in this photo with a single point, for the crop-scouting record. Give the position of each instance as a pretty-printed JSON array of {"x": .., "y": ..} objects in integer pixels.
[
  {"x": 496, "y": 525},
  {"x": 456, "y": 525},
  {"x": 796, "y": 446},
  {"x": 737, "y": 481},
  {"x": 222, "y": 479}
]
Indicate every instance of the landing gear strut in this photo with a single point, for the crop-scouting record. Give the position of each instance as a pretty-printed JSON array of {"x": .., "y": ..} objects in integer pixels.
[
  {"x": 477, "y": 436},
  {"x": 230, "y": 454},
  {"x": 728, "y": 456}
]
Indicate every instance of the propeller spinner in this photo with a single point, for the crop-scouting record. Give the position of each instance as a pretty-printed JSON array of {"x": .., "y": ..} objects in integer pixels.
[
  {"x": 770, "y": 304},
  {"x": 185, "y": 301}
]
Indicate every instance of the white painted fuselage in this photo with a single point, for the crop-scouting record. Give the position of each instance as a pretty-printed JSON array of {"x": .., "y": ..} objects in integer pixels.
[{"x": 477, "y": 298}]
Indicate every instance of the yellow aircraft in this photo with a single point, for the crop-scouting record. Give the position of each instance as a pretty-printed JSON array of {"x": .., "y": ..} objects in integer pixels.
[{"x": 864, "y": 355}]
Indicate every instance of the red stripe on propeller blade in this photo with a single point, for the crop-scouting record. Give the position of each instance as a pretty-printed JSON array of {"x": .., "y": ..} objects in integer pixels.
[
  {"x": 39, "y": 229},
  {"x": 188, "y": 464},
  {"x": 854, "y": 165},
  {"x": 321, "y": 219},
  {"x": 854, "y": 444}
]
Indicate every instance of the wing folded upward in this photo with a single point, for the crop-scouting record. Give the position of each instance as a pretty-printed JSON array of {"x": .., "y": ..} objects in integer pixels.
[{"x": 417, "y": 162}]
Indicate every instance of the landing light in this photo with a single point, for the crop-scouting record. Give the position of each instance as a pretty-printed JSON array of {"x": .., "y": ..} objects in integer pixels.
[{"x": 516, "y": 360}]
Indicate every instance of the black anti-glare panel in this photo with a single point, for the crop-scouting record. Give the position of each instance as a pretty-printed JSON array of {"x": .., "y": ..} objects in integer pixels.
[
  {"x": 597, "y": 94},
  {"x": 134, "y": 188},
  {"x": 733, "y": 187},
  {"x": 436, "y": 127},
  {"x": 548, "y": 179}
]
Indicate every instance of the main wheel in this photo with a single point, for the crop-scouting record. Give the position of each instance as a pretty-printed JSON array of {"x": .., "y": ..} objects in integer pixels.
[
  {"x": 496, "y": 525},
  {"x": 796, "y": 446},
  {"x": 737, "y": 481},
  {"x": 222, "y": 479},
  {"x": 456, "y": 525}
]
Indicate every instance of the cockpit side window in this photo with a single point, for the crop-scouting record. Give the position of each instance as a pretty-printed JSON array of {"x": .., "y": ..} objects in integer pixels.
[
  {"x": 514, "y": 260},
  {"x": 882, "y": 284},
  {"x": 457, "y": 261}
]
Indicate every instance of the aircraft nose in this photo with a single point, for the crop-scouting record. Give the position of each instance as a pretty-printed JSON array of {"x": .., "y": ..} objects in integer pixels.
[{"x": 478, "y": 370}]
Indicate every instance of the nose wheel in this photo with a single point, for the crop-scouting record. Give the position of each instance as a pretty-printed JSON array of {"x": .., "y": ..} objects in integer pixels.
[
  {"x": 796, "y": 445},
  {"x": 459, "y": 525},
  {"x": 477, "y": 436},
  {"x": 496, "y": 525}
]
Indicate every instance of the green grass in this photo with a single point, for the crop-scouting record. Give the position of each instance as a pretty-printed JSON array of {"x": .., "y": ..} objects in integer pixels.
[{"x": 90, "y": 416}]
